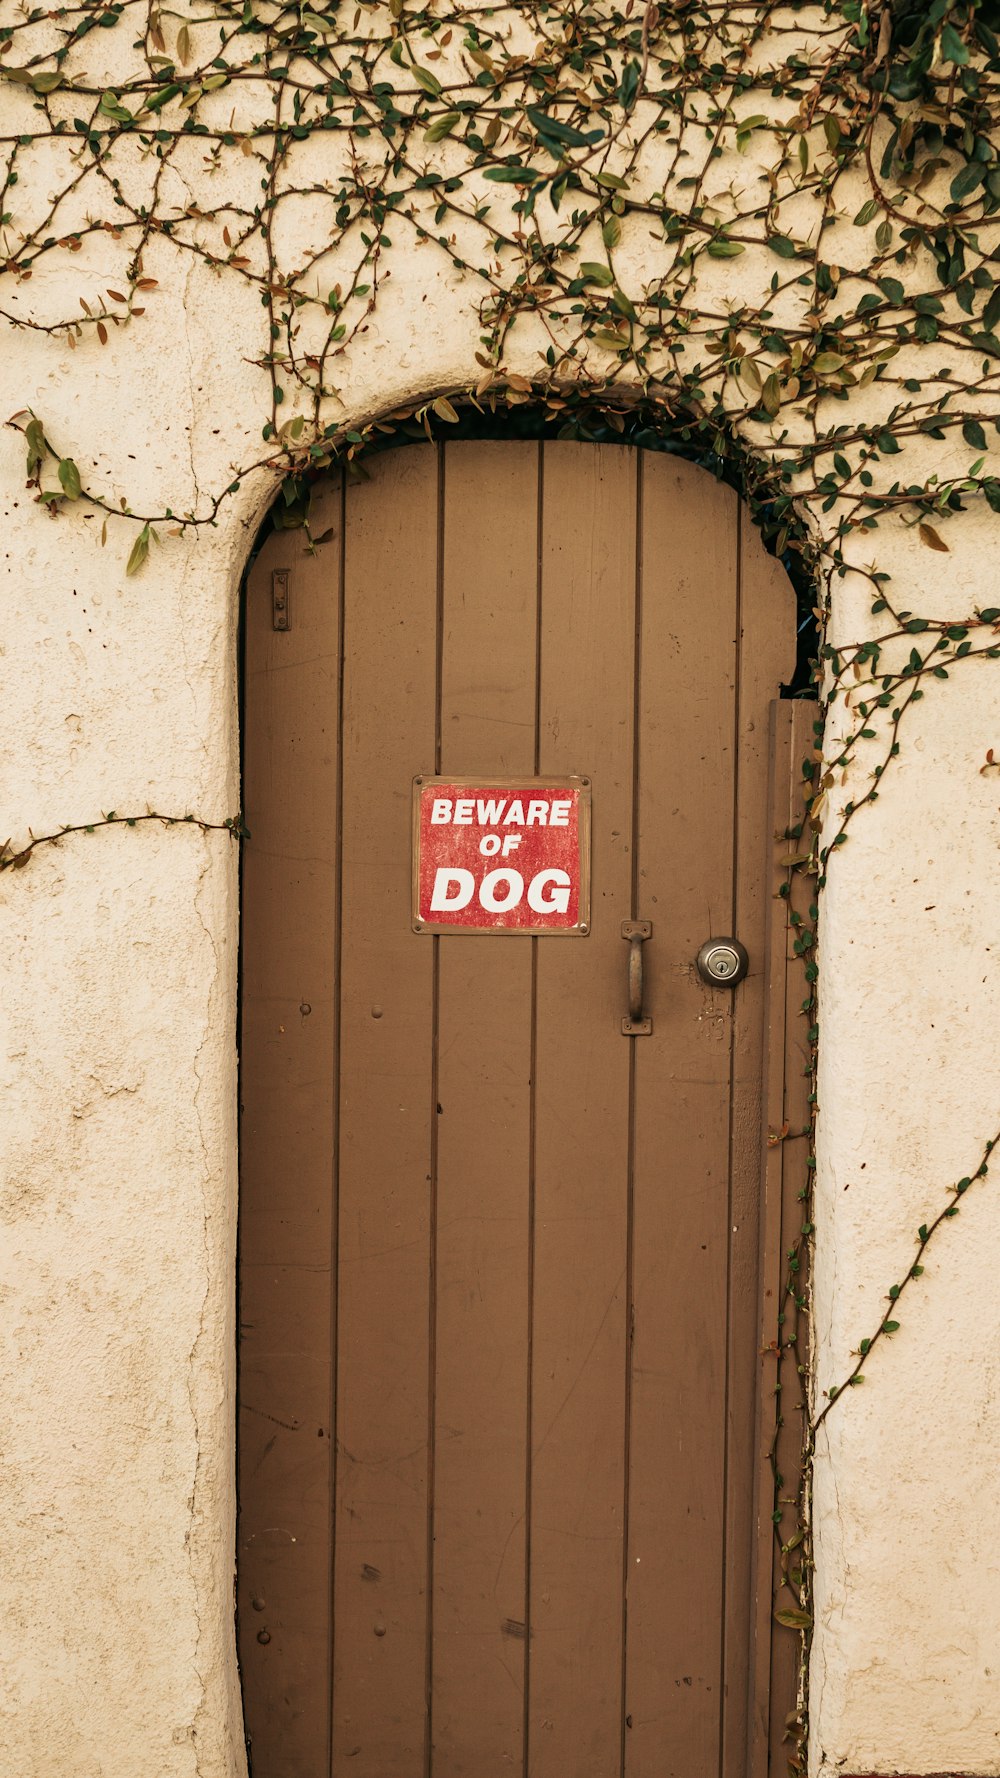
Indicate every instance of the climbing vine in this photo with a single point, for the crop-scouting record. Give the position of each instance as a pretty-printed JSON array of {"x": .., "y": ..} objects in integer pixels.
[
  {"x": 16, "y": 858},
  {"x": 531, "y": 151},
  {"x": 772, "y": 230}
]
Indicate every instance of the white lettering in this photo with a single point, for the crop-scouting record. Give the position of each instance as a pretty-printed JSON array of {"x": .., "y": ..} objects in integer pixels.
[
  {"x": 511, "y": 841},
  {"x": 489, "y": 813},
  {"x": 465, "y": 883},
  {"x": 559, "y": 814},
  {"x": 441, "y": 811},
  {"x": 538, "y": 812},
  {"x": 490, "y": 884},
  {"x": 490, "y": 844},
  {"x": 515, "y": 814},
  {"x": 557, "y": 901},
  {"x": 463, "y": 811}
]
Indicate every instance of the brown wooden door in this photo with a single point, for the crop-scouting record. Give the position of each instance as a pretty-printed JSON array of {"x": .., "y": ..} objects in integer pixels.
[{"x": 500, "y": 1263}]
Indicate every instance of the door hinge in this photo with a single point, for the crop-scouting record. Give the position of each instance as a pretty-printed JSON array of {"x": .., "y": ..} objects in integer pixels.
[{"x": 279, "y": 600}]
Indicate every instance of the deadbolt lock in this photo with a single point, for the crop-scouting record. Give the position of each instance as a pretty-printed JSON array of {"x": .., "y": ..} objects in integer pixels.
[{"x": 722, "y": 962}]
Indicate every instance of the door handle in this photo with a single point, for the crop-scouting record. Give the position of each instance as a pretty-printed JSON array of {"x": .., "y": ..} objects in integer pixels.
[{"x": 637, "y": 932}]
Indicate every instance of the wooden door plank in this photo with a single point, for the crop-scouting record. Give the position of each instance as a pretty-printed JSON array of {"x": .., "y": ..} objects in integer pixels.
[
  {"x": 769, "y": 1226},
  {"x": 781, "y": 1399},
  {"x": 489, "y": 603},
  {"x": 766, "y": 659},
  {"x": 582, "y": 1138},
  {"x": 681, "y": 1237},
  {"x": 387, "y": 997},
  {"x": 290, "y": 879},
  {"x": 793, "y": 1402}
]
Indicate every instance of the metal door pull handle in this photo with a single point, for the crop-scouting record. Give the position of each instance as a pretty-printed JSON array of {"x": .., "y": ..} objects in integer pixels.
[{"x": 637, "y": 932}]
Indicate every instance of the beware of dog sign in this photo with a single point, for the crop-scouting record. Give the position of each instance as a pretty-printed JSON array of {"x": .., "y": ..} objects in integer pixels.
[{"x": 501, "y": 855}]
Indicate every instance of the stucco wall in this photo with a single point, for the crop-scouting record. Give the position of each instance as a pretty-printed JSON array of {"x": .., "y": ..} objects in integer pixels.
[{"x": 117, "y": 1498}]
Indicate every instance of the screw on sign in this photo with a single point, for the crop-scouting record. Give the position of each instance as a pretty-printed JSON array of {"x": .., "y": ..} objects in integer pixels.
[{"x": 501, "y": 855}]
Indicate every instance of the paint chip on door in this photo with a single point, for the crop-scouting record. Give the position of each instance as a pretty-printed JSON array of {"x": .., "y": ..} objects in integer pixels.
[{"x": 501, "y": 855}]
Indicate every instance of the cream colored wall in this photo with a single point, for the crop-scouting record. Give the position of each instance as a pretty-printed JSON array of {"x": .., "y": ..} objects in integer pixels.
[
  {"x": 116, "y": 1503},
  {"x": 904, "y": 1669}
]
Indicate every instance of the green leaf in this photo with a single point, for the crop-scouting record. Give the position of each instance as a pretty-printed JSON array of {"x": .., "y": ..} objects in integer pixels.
[
  {"x": 890, "y": 1327},
  {"x": 593, "y": 273},
  {"x": 612, "y": 232},
  {"x": 426, "y": 79},
  {"x": 723, "y": 249},
  {"x": 628, "y": 86},
  {"x": 974, "y": 435},
  {"x": 991, "y": 313},
  {"x": 35, "y": 440},
  {"x": 782, "y": 246},
  {"x": 140, "y": 550},
  {"x": 513, "y": 175},
  {"x": 442, "y": 126},
  {"x": 112, "y": 106},
  {"x": 966, "y": 180},
  {"x": 46, "y": 83},
  {"x": 69, "y": 477},
  {"x": 866, "y": 212},
  {"x": 546, "y": 125},
  {"x": 793, "y": 1619},
  {"x": 887, "y": 443},
  {"x": 892, "y": 290},
  {"x": 163, "y": 97},
  {"x": 952, "y": 47}
]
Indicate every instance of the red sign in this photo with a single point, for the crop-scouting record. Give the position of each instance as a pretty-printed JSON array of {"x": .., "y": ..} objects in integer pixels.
[{"x": 501, "y": 855}]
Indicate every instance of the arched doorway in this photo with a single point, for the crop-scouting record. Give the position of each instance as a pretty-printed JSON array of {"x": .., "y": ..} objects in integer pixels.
[{"x": 501, "y": 1247}]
